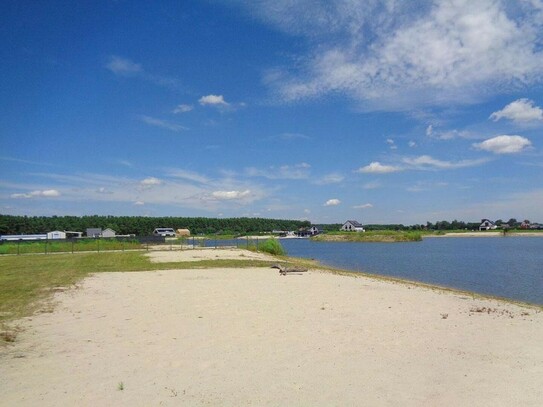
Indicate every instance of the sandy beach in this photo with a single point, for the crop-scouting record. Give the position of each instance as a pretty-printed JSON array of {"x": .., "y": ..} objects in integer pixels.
[{"x": 250, "y": 337}]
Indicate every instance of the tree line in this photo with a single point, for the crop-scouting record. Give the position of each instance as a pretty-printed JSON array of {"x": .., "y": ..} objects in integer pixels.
[{"x": 144, "y": 226}]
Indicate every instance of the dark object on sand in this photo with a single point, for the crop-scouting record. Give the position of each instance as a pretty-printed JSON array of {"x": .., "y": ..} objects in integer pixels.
[{"x": 283, "y": 270}]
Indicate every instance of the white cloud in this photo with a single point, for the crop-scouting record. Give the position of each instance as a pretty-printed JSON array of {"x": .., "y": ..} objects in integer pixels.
[
  {"x": 364, "y": 206},
  {"x": 213, "y": 100},
  {"x": 231, "y": 195},
  {"x": 150, "y": 181},
  {"x": 163, "y": 124},
  {"x": 332, "y": 202},
  {"x": 182, "y": 109},
  {"x": 123, "y": 66},
  {"x": 377, "y": 168},
  {"x": 392, "y": 144},
  {"x": 504, "y": 144},
  {"x": 520, "y": 111},
  {"x": 412, "y": 144},
  {"x": 428, "y": 162},
  {"x": 47, "y": 193},
  {"x": 446, "y": 135},
  {"x": 139, "y": 203},
  {"x": 397, "y": 55}
]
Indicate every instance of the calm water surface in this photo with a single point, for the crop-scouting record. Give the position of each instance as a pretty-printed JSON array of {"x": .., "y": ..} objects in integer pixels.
[{"x": 510, "y": 267}]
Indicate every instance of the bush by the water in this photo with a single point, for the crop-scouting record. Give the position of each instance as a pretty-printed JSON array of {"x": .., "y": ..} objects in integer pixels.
[{"x": 272, "y": 246}]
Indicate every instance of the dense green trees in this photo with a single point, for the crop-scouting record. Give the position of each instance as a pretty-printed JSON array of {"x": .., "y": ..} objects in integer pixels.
[{"x": 143, "y": 226}]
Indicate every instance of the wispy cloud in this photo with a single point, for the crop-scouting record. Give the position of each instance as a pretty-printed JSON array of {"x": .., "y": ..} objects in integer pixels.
[
  {"x": 504, "y": 144},
  {"x": 163, "y": 124},
  {"x": 520, "y": 111},
  {"x": 425, "y": 162},
  {"x": 182, "y": 108},
  {"x": 399, "y": 55},
  {"x": 296, "y": 171},
  {"x": 125, "y": 67},
  {"x": 363, "y": 206},
  {"x": 47, "y": 193},
  {"x": 332, "y": 178}
]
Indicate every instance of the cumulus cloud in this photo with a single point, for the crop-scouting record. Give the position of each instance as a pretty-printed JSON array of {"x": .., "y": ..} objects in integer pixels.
[
  {"x": 47, "y": 193},
  {"x": 377, "y": 168},
  {"x": 332, "y": 202},
  {"x": 396, "y": 55},
  {"x": 163, "y": 124},
  {"x": 213, "y": 100},
  {"x": 504, "y": 144},
  {"x": 520, "y": 111},
  {"x": 123, "y": 66},
  {"x": 182, "y": 109}
]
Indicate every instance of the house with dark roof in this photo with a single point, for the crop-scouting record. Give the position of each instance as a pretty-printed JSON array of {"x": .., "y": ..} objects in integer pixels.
[
  {"x": 487, "y": 225},
  {"x": 352, "y": 226}
]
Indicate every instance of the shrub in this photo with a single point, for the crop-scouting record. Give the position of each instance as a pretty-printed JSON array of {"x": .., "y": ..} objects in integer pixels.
[{"x": 272, "y": 246}]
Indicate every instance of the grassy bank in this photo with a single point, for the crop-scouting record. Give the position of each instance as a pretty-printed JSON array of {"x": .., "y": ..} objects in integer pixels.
[
  {"x": 386, "y": 236},
  {"x": 28, "y": 282}
]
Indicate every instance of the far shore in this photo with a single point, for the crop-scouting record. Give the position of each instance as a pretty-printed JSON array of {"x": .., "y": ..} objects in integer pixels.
[{"x": 486, "y": 234}]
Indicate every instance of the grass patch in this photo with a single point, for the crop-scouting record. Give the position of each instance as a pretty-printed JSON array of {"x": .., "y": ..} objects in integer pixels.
[
  {"x": 271, "y": 246},
  {"x": 79, "y": 245},
  {"x": 26, "y": 282}
]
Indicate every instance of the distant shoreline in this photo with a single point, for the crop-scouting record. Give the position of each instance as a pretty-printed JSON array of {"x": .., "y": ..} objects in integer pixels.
[{"x": 487, "y": 234}]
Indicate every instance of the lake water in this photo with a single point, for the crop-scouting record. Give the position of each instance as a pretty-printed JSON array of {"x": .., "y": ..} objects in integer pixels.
[{"x": 510, "y": 267}]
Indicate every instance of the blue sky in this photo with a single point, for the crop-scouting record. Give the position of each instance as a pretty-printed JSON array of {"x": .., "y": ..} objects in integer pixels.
[{"x": 379, "y": 111}]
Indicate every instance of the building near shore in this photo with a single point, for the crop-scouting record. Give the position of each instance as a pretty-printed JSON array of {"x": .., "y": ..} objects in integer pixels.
[{"x": 352, "y": 226}]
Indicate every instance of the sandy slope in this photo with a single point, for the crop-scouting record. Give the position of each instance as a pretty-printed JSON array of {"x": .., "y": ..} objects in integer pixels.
[{"x": 249, "y": 337}]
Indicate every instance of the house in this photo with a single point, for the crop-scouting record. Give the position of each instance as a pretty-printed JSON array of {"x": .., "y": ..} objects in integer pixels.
[
  {"x": 56, "y": 234},
  {"x": 94, "y": 232},
  {"x": 487, "y": 225},
  {"x": 352, "y": 226},
  {"x": 108, "y": 233},
  {"x": 314, "y": 230}
]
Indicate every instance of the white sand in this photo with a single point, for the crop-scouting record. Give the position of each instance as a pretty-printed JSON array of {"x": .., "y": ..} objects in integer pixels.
[
  {"x": 250, "y": 337},
  {"x": 207, "y": 254}
]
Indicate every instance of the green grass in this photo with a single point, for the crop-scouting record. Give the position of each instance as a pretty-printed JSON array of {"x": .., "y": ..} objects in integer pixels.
[
  {"x": 271, "y": 246},
  {"x": 83, "y": 245},
  {"x": 26, "y": 282}
]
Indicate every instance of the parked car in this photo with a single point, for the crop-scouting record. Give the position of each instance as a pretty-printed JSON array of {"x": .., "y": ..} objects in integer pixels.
[{"x": 164, "y": 232}]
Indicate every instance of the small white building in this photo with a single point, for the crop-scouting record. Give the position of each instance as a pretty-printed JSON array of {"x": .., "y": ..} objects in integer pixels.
[
  {"x": 352, "y": 226},
  {"x": 56, "y": 234},
  {"x": 108, "y": 233}
]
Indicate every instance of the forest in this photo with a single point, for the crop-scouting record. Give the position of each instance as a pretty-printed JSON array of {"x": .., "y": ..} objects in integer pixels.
[{"x": 144, "y": 226}]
